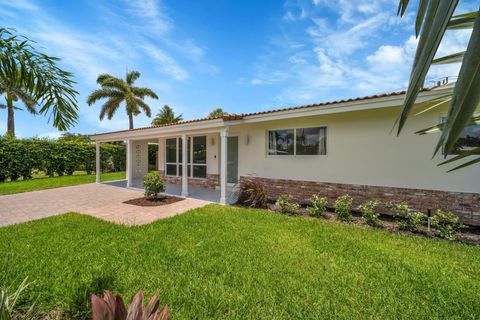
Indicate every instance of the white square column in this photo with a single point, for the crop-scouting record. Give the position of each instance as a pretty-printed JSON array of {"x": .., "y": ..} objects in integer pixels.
[
  {"x": 129, "y": 164},
  {"x": 97, "y": 162},
  {"x": 223, "y": 165},
  {"x": 184, "y": 166}
]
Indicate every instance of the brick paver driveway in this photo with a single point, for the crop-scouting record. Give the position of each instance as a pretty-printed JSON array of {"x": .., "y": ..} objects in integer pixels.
[{"x": 98, "y": 200}]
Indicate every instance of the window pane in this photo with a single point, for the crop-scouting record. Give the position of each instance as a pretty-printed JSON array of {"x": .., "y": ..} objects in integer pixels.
[
  {"x": 311, "y": 141},
  {"x": 280, "y": 142},
  {"x": 469, "y": 139},
  {"x": 200, "y": 150},
  {"x": 199, "y": 171},
  {"x": 171, "y": 169},
  {"x": 171, "y": 150},
  {"x": 180, "y": 170}
]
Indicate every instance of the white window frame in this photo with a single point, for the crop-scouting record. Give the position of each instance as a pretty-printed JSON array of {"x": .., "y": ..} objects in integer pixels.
[
  {"x": 189, "y": 164},
  {"x": 295, "y": 155}
]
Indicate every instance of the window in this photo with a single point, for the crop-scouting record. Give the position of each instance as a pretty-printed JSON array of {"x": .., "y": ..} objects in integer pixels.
[
  {"x": 469, "y": 139},
  {"x": 299, "y": 141},
  {"x": 196, "y": 150}
]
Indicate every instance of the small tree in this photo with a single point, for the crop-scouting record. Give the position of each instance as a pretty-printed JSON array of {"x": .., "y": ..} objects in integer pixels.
[{"x": 153, "y": 184}]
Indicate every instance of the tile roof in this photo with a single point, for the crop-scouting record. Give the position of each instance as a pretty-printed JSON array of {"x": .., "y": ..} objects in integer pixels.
[{"x": 231, "y": 117}]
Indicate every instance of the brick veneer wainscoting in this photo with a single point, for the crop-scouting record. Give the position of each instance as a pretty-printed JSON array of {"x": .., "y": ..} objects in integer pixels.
[
  {"x": 211, "y": 182},
  {"x": 464, "y": 205}
]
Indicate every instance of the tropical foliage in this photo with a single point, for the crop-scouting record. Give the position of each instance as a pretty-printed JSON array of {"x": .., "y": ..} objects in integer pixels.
[
  {"x": 33, "y": 78},
  {"x": 19, "y": 157},
  {"x": 118, "y": 91},
  {"x": 447, "y": 224},
  {"x": 166, "y": 115},
  {"x": 111, "y": 307},
  {"x": 434, "y": 18},
  {"x": 9, "y": 301},
  {"x": 216, "y": 113},
  {"x": 253, "y": 194},
  {"x": 318, "y": 206},
  {"x": 287, "y": 204},
  {"x": 343, "y": 208},
  {"x": 153, "y": 185}
]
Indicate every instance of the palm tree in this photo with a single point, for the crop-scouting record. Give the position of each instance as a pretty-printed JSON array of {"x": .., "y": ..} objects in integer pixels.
[
  {"x": 14, "y": 92},
  {"x": 117, "y": 90},
  {"x": 434, "y": 18},
  {"x": 34, "y": 78},
  {"x": 166, "y": 115},
  {"x": 217, "y": 112}
]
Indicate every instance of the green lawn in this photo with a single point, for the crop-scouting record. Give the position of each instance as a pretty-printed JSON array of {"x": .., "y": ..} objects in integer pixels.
[
  {"x": 40, "y": 183},
  {"x": 226, "y": 262}
]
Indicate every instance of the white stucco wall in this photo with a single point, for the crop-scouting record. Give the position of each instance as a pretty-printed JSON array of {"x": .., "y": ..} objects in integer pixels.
[{"x": 360, "y": 150}]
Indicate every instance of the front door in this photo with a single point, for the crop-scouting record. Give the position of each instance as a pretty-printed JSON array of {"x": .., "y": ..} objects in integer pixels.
[{"x": 232, "y": 160}]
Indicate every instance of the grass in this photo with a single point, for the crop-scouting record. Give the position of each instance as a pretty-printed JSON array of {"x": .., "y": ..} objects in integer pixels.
[
  {"x": 40, "y": 183},
  {"x": 226, "y": 262}
]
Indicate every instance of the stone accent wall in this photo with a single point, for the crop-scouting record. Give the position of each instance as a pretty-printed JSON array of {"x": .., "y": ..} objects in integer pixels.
[
  {"x": 464, "y": 205},
  {"x": 212, "y": 181}
]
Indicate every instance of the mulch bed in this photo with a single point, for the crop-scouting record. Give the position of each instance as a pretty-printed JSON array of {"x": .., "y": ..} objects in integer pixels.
[
  {"x": 153, "y": 202},
  {"x": 469, "y": 235}
]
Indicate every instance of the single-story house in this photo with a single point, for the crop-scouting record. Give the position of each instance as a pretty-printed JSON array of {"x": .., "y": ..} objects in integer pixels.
[{"x": 330, "y": 149}]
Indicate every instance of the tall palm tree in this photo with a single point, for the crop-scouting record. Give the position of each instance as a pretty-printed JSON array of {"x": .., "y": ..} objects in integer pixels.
[
  {"x": 117, "y": 90},
  {"x": 166, "y": 115},
  {"x": 14, "y": 92},
  {"x": 217, "y": 112},
  {"x": 34, "y": 78},
  {"x": 434, "y": 18}
]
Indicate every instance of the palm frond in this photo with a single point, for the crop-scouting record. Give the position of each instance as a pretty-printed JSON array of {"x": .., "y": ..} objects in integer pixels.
[
  {"x": 104, "y": 76},
  {"x": 144, "y": 106},
  {"x": 439, "y": 127},
  {"x": 110, "y": 107},
  {"x": 462, "y": 155},
  {"x": 103, "y": 93},
  {"x": 132, "y": 76},
  {"x": 463, "y": 21},
  {"x": 452, "y": 58},
  {"x": 433, "y": 29},
  {"x": 422, "y": 8},
  {"x": 466, "y": 95},
  {"x": 402, "y": 7},
  {"x": 144, "y": 92}
]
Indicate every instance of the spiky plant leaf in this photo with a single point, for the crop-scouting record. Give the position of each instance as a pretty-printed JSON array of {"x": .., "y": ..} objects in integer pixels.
[
  {"x": 462, "y": 21},
  {"x": 452, "y": 58}
]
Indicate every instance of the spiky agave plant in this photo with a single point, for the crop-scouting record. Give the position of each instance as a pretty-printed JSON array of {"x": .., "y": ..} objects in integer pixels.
[{"x": 112, "y": 307}]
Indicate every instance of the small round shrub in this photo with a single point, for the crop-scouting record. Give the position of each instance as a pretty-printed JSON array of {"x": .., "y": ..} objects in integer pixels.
[
  {"x": 317, "y": 206},
  {"x": 286, "y": 204},
  {"x": 410, "y": 220},
  {"x": 343, "y": 208},
  {"x": 153, "y": 184},
  {"x": 369, "y": 214},
  {"x": 447, "y": 225}
]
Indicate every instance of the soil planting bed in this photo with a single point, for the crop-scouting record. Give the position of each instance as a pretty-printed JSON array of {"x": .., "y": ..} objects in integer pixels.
[{"x": 153, "y": 202}]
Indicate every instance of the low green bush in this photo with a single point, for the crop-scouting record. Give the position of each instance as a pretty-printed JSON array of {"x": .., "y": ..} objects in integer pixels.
[
  {"x": 286, "y": 204},
  {"x": 153, "y": 184},
  {"x": 369, "y": 214},
  {"x": 446, "y": 224},
  {"x": 343, "y": 208},
  {"x": 409, "y": 220},
  {"x": 317, "y": 207}
]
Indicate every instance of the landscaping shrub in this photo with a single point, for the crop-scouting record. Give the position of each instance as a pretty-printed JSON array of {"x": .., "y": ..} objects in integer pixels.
[
  {"x": 153, "y": 184},
  {"x": 253, "y": 194},
  {"x": 111, "y": 307},
  {"x": 19, "y": 157},
  {"x": 447, "y": 224},
  {"x": 317, "y": 206},
  {"x": 343, "y": 208},
  {"x": 368, "y": 212},
  {"x": 410, "y": 220},
  {"x": 286, "y": 204}
]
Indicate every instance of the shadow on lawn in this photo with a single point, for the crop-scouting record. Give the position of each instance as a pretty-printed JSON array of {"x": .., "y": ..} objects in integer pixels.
[{"x": 80, "y": 307}]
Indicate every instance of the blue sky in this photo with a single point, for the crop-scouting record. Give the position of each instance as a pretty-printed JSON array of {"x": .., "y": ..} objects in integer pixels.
[{"x": 242, "y": 56}]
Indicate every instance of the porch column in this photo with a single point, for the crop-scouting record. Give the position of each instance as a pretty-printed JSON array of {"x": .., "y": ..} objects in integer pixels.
[
  {"x": 184, "y": 166},
  {"x": 223, "y": 165},
  {"x": 129, "y": 173},
  {"x": 97, "y": 162}
]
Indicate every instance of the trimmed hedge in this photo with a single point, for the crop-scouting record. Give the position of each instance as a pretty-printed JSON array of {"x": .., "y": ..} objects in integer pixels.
[{"x": 19, "y": 157}]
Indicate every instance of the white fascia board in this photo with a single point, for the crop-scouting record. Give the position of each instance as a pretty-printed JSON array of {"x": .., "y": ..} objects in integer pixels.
[{"x": 148, "y": 133}]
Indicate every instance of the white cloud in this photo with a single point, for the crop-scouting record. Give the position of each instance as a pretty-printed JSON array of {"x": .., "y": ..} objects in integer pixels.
[
  {"x": 168, "y": 64},
  {"x": 257, "y": 81},
  {"x": 151, "y": 16},
  {"x": 51, "y": 135}
]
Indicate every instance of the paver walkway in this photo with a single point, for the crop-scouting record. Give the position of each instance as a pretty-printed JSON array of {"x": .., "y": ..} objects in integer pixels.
[{"x": 98, "y": 200}]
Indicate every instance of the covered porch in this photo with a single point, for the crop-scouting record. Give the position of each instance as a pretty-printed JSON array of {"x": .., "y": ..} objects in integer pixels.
[{"x": 200, "y": 164}]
